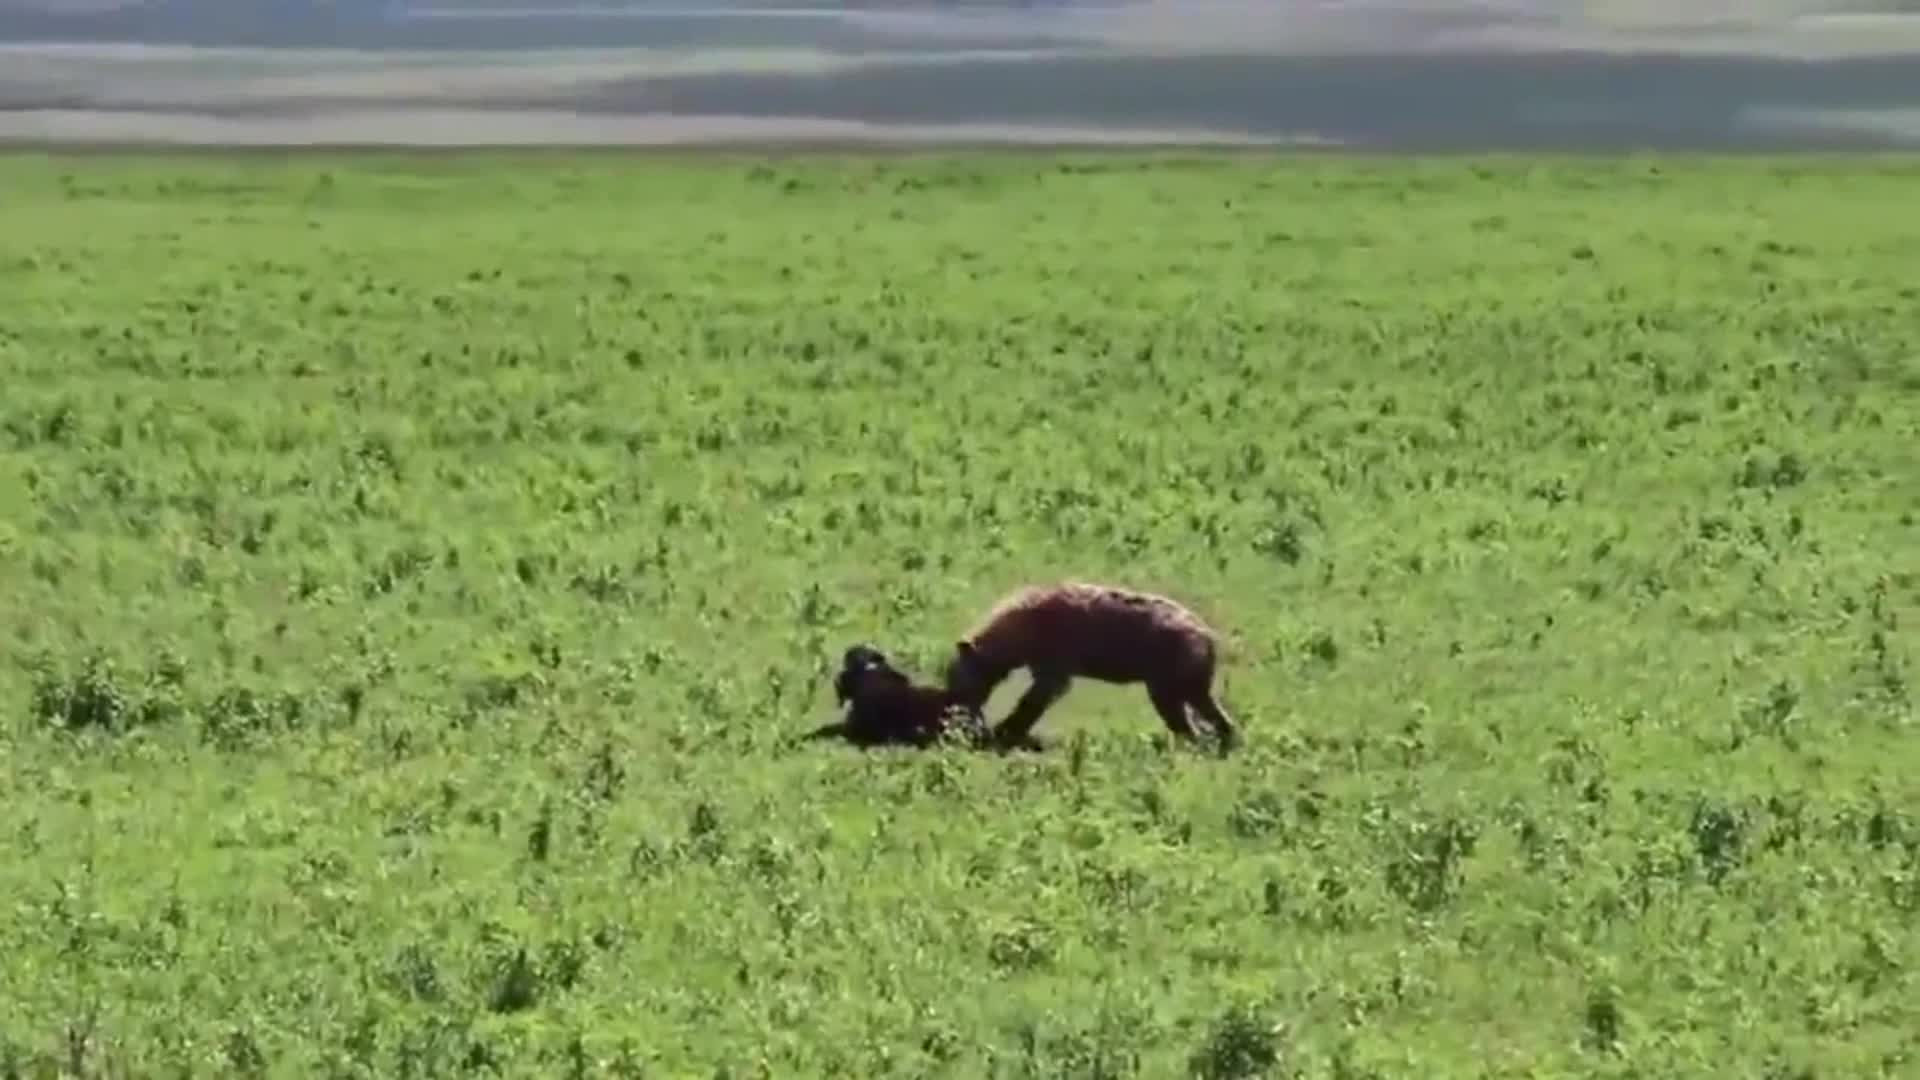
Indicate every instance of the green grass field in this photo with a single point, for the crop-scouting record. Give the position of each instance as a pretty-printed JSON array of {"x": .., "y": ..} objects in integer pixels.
[{"x": 413, "y": 567}]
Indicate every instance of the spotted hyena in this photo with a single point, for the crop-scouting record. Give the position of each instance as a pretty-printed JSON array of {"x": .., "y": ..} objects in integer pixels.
[{"x": 1112, "y": 634}]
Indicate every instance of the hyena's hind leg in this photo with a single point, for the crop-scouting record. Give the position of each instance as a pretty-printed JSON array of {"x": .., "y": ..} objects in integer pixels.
[
  {"x": 1197, "y": 691},
  {"x": 1209, "y": 708},
  {"x": 1171, "y": 704}
]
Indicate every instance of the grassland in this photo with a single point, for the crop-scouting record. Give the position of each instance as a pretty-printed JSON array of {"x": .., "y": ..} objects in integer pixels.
[{"x": 413, "y": 565}]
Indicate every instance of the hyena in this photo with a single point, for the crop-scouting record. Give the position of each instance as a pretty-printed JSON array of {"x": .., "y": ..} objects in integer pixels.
[{"x": 1076, "y": 629}]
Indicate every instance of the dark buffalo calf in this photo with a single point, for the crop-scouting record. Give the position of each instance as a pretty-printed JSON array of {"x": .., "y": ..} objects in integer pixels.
[{"x": 885, "y": 708}]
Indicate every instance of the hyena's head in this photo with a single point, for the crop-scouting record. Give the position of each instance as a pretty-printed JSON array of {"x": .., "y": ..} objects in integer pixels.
[{"x": 972, "y": 675}]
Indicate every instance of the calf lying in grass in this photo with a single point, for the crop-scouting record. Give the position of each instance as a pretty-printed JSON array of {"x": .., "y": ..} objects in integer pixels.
[{"x": 885, "y": 708}]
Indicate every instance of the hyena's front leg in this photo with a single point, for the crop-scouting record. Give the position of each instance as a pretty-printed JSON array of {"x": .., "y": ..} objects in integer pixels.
[{"x": 1047, "y": 688}]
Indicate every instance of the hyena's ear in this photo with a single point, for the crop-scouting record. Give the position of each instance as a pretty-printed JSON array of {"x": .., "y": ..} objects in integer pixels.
[{"x": 963, "y": 647}]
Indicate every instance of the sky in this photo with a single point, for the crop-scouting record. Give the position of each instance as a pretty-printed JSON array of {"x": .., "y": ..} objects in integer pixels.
[{"x": 1498, "y": 74}]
